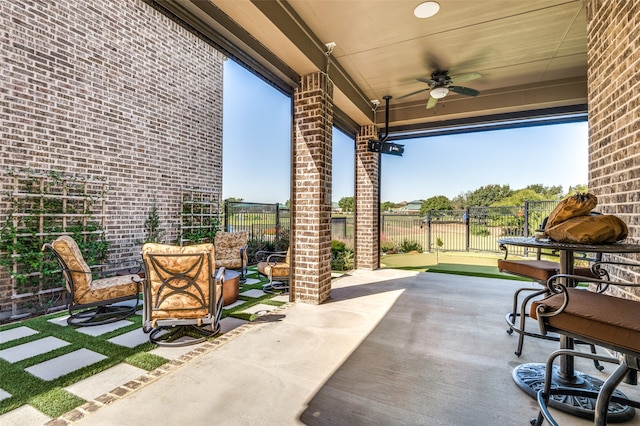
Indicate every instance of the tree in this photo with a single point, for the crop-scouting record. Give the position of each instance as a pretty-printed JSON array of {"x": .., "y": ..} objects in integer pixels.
[
  {"x": 346, "y": 204},
  {"x": 519, "y": 197},
  {"x": 459, "y": 202},
  {"x": 287, "y": 204},
  {"x": 547, "y": 192},
  {"x": 487, "y": 195},
  {"x": 439, "y": 202},
  {"x": 387, "y": 206},
  {"x": 577, "y": 189},
  {"x": 234, "y": 199},
  {"x": 152, "y": 226}
]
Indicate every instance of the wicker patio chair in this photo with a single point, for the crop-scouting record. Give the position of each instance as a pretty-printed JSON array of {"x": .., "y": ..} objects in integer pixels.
[
  {"x": 182, "y": 298},
  {"x": 231, "y": 251},
  {"x": 94, "y": 301}
]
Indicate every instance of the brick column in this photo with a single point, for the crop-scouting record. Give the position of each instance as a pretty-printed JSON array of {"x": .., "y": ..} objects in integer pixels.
[
  {"x": 614, "y": 131},
  {"x": 367, "y": 202},
  {"x": 311, "y": 189}
]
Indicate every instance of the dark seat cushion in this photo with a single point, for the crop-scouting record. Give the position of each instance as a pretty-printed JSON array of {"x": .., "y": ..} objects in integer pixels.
[
  {"x": 600, "y": 317},
  {"x": 537, "y": 270}
]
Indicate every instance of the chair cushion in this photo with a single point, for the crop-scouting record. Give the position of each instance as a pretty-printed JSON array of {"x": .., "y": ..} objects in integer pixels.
[
  {"x": 279, "y": 270},
  {"x": 228, "y": 246},
  {"x": 69, "y": 252},
  {"x": 107, "y": 289},
  {"x": 188, "y": 303},
  {"x": 608, "y": 319},
  {"x": 538, "y": 270}
]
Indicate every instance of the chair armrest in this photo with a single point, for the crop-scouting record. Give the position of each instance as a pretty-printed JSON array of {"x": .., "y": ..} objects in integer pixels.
[
  {"x": 555, "y": 287},
  {"x": 131, "y": 267},
  {"x": 266, "y": 256},
  {"x": 505, "y": 250},
  {"x": 220, "y": 275}
]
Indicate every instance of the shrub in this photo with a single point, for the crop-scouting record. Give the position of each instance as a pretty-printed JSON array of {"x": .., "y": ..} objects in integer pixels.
[
  {"x": 342, "y": 260},
  {"x": 387, "y": 246},
  {"x": 408, "y": 246}
]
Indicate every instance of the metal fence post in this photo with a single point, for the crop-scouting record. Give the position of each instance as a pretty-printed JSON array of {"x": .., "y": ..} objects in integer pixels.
[
  {"x": 429, "y": 231},
  {"x": 277, "y": 236},
  {"x": 465, "y": 218},
  {"x": 226, "y": 216}
]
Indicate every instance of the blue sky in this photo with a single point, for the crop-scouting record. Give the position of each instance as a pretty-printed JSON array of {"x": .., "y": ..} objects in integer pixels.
[{"x": 256, "y": 153}]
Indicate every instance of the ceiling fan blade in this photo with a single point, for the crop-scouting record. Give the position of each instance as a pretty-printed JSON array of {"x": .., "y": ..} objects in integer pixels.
[
  {"x": 426, "y": 80},
  {"x": 461, "y": 78},
  {"x": 432, "y": 102},
  {"x": 464, "y": 90},
  {"x": 411, "y": 94}
]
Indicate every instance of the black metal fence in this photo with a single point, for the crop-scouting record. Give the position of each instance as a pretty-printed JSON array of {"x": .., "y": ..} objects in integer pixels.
[
  {"x": 268, "y": 222},
  {"x": 472, "y": 229}
]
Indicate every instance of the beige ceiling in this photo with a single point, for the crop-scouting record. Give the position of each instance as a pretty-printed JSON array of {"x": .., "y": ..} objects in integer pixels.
[{"x": 532, "y": 54}]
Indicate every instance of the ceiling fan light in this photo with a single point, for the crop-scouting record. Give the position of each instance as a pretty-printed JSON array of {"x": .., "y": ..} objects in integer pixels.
[
  {"x": 439, "y": 92},
  {"x": 426, "y": 9}
]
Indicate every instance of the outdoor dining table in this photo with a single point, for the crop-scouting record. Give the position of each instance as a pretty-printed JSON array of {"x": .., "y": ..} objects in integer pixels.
[{"x": 530, "y": 377}]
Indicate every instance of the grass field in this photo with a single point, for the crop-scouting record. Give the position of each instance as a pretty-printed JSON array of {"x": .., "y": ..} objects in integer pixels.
[{"x": 460, "y": 263}]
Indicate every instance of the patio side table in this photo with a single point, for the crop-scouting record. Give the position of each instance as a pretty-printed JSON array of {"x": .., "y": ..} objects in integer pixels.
[{"x": 231, "y": 286}]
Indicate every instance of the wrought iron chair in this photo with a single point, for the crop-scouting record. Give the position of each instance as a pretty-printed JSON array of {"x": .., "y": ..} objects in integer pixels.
[
  {"x": 276, "y": 267},
  {"x": 599, "y": 319},
  {"x": 538, "y": 271},
  {"x": 182, "y": 298},
  {"x": 231, "y": 251},
  {"x": 93, "y": 301}
]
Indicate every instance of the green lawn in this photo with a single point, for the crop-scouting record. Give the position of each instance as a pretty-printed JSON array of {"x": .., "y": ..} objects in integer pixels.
[{"x": 460, "y": 263}]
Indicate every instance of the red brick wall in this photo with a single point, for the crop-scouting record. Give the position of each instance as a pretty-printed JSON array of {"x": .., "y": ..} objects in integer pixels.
[
  {"x": 367, "y": 200},
  {"x": 110, "y": 89},
  {"x": 614, "y": 114},
  {"x": 311, "y": 181}
]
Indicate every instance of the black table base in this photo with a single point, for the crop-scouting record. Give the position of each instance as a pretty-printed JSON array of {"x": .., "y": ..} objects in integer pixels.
[{"x": 530, "y": 378}]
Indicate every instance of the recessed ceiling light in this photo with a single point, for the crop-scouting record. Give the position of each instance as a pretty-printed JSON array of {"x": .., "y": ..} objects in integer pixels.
[{"x": 426, "y": 9}]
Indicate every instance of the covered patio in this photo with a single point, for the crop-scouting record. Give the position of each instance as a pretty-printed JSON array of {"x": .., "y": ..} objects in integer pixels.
[
  {"x": 381, "y": 346},
  {"x": 389, "y": 347}
]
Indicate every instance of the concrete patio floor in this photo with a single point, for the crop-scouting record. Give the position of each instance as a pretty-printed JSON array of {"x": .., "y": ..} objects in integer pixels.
[{"x": 390, "y": 347}]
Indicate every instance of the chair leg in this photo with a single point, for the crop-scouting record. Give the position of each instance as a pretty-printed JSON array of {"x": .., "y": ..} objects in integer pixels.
[
  {"x": 275, "y": 287},
  {"x": 99, "y": 315},
  {"x": 605, "y": 396},
  {"x": 519, "y": 313},
  {"x": 610, "y": 385}
]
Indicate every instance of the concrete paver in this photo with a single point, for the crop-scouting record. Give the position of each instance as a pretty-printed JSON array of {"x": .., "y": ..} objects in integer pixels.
[
  {"x": 234, "y": 304},
  {"x": 131, "y": 339},
  {"x": 65, "y": 364},
  {"x": 97, "y": 330},
  {"x": 31, "y": 349},
  {"x": 101, "y": 383},
  {"x": 253, "y": 293},
  {"x": 4, "y": 394},
  {"x": 259, "y": 309},
  {"x": 24, "y": 416},
  {"x": 16, "y": 333}
]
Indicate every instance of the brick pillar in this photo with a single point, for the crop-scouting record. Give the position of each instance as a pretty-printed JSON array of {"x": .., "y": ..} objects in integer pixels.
[
  {"x": 614, "y": 132},
  {"x": 367, "y": 202},
  {"x": 311, "y": 194}
]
